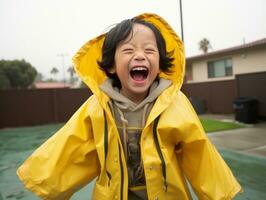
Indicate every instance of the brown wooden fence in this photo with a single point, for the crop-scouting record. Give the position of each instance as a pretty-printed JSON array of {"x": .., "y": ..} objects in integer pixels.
[
  {"x": 254, "y": 86},
  {"x": 35, "y": 107},
  {"x": 217, "y": 96}
]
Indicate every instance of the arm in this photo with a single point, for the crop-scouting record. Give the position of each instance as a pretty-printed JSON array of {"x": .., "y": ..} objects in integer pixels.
[
  {"x": 65, "y": 162},
  {"x": 205, "y": 169}
]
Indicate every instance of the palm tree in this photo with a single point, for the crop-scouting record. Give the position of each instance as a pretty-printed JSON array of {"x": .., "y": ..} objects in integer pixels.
[
  {"x": 204, "y": 45},
  {"x": 71, "y": 72},
  {"x": 54, "y": 71}
]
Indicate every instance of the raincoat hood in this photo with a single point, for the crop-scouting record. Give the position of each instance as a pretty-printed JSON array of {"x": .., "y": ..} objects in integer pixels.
[{"x": 85, "y": 60}]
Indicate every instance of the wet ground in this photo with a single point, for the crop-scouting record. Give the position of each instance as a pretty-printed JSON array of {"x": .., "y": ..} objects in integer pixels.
[{"x": 242, "y": 149}]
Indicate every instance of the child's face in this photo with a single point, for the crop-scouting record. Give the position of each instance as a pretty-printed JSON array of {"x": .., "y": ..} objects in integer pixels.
[{"x": 137, "y": 62}]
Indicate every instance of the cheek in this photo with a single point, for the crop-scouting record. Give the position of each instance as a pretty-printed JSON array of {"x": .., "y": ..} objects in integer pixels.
[
  {"x": 156, "y": 62},
  {"x": 154, "y": 58},
  {"x": 120, "y": 70}
]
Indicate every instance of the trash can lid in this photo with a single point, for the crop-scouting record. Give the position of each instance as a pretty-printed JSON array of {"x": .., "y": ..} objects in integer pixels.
[{"x": 245, "y": 99}]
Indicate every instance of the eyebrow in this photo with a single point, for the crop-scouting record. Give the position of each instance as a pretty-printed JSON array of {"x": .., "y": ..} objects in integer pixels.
[{"x": 145, "y": 43}]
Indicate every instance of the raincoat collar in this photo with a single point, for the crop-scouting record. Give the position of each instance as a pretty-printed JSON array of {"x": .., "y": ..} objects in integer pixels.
[{"x": 85, "y": 60}]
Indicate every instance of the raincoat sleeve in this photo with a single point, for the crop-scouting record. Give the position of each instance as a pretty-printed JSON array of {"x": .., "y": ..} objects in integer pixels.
[
  {"x": 205, "y": 169},
  {"x": 65, "y": 162}
]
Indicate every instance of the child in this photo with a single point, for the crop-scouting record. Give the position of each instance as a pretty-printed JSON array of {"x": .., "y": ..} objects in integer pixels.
[{"x": 137, "y": 133}]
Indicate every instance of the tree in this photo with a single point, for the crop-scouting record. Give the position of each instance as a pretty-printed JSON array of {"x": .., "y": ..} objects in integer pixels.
[
  {"x": 4, "y": 81},
  {"x": 204, "y": 45},
  {"x": 16, "y": 74},
  {"x": 71, "y": 72},
  {"x": 39, "y": 77},
  {"x": 54, "y": 71}
]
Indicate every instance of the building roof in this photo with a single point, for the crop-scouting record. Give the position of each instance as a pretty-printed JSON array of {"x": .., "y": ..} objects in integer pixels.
[
  {"x": 254, "y": 44},
  {"x": 46, "y": 85}
]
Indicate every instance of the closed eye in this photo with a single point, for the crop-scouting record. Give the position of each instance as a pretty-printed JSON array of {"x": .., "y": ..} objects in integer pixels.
[
  {"x": 150, "y": 50},
  {"x": 127, "y": 50}
]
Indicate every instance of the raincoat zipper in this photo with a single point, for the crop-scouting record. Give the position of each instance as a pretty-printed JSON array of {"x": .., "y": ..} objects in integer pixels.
[
  {"x": 106, "y": 148},
  {"x": 120, "y": 158},
  {"x": 156, "y": 141},
  {"x": 122, "y": 174}
]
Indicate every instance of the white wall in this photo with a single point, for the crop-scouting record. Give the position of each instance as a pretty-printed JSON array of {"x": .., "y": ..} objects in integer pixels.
[{"x": 249, "y": 62}]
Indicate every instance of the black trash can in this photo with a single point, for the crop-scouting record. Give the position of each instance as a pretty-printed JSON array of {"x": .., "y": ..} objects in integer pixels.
[
  {"x": 245, "y": 110},
  {"x": 198, "y": 104}
]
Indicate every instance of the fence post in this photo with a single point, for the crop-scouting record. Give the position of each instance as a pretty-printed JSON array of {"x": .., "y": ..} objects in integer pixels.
[{"x": 55, "y": 109}]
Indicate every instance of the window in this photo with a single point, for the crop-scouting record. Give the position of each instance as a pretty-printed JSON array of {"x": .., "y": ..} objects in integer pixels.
[{"x": 220, "y": 68}]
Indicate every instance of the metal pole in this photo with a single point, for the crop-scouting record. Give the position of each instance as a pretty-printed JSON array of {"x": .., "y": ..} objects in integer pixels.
[
  {"x": 181, "y": 19},
  {"x": 63, "y": 66}
]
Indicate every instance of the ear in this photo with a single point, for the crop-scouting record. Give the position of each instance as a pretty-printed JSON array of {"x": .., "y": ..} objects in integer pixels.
[{"x": 112, "y": 70}]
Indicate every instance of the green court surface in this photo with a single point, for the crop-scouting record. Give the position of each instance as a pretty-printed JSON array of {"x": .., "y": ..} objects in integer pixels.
[{"x": 16, "y": 144}]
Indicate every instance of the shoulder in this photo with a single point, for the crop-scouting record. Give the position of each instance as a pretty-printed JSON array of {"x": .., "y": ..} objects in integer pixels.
[
  {"x": 181, "y": 116},
  {"x": 179, "y": 101},
  {"x": 91, "y": 105},
  {"x": 181, "y": 108}
]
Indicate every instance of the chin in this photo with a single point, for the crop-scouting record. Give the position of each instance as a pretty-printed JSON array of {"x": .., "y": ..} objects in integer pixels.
[{"x": 140, "y": 90}]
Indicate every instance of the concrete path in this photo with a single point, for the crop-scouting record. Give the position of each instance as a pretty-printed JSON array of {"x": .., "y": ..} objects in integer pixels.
[
  {"x": 249, "y": 140},
  {"x": 244, "y": 150}
]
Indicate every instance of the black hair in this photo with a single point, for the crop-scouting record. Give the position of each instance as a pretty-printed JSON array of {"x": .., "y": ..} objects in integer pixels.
[{"x": 118, "y": 34}]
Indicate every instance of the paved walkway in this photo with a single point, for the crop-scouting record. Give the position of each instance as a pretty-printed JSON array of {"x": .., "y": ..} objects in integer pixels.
[
  {"x": 244, "y": 150},
  {"x": 249, "y": 140}
]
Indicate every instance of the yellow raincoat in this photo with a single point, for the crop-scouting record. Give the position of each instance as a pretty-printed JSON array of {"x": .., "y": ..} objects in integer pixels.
[{"x": 174, "y": 146}]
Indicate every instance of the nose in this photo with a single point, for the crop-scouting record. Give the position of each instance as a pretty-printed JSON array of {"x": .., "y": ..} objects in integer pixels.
[{"x": 139, "y": 56}]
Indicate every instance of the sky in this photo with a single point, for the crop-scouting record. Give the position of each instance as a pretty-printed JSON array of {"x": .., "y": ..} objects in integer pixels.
[{"x": 39, "y": 31}]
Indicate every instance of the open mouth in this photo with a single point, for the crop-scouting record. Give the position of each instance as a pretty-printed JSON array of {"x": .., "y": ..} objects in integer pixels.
[{"x": 139, "y": 73}]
